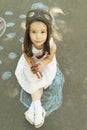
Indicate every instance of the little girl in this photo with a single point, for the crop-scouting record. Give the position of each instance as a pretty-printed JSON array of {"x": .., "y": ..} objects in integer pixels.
[{"x": 37, "y": 68}]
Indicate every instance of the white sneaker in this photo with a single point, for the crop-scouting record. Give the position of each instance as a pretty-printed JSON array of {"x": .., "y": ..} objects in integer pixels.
[
  {"x": 39, "y": 118},
  {"x": 29, "y": 115}
]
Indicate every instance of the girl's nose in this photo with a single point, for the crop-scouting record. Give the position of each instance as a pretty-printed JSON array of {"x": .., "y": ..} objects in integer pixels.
[{"x": 38, "y": 35}]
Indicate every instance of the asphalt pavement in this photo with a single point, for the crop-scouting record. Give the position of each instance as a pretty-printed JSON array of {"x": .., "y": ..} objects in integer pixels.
[{"x": 70, "y": 35}]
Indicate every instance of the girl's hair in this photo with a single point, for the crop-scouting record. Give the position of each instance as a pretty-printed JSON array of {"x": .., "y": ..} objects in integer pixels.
[{"x": 37, "y": 15}]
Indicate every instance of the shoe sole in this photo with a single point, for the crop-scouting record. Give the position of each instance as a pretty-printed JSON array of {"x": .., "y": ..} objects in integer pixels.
[
  {"x": 27, "y": 118},
  {"x": 38, "y": 126}
]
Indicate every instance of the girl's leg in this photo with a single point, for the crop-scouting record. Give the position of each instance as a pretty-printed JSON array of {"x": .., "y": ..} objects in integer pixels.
[
  {"x": 37, "y": 95},
  {"x": 36, "y": 114},
  {"x": 38, "y": 110},
  {"x": 36, "y": 103},
  {"x": 36, "y": 100}
]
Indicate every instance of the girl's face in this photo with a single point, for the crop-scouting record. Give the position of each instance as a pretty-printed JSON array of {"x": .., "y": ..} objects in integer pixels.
[{"x": 38, "y": 33}]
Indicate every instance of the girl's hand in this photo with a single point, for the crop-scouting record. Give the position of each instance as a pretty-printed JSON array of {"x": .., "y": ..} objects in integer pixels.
[{"x": 41, "y": 65}]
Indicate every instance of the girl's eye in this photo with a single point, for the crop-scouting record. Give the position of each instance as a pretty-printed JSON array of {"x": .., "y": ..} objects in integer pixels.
[
  {"x": 33, "y": 32},
  {"x": 43, "y": 32}
]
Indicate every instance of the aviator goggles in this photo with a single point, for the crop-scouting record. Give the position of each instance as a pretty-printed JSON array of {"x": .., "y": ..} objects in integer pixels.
[{"x": 39, "y": 14}]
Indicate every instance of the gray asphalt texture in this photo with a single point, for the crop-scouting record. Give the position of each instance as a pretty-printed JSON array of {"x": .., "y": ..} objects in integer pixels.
[{"x": 71, "y": 55}]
